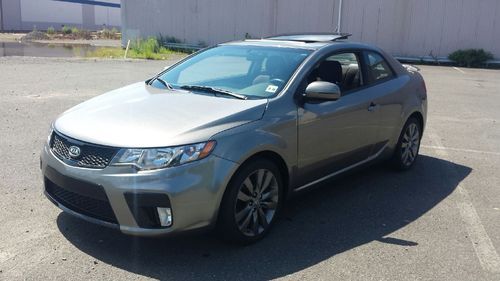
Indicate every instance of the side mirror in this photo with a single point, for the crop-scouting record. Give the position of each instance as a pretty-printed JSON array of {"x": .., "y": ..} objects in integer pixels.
[{"x": 320, "y": 90}]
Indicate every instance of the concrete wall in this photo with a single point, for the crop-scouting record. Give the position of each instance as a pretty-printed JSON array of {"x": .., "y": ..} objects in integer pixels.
[
  {"x": 403, "y": 27},
  {"x": 25, "y": 14},
  {"x": 425, "y": 27}
]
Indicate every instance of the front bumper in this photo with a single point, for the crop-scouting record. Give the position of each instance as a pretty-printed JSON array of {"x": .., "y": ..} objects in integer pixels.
[{"x": 112, "y": 196}]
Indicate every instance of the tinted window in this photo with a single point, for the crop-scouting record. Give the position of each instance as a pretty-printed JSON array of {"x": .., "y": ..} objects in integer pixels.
[
  {"x": 378, "y": 68},
  {"x": 342, "y": 69}
]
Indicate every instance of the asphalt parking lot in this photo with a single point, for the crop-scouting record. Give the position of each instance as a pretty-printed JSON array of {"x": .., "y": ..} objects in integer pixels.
[{"x": 439, "y": 221}]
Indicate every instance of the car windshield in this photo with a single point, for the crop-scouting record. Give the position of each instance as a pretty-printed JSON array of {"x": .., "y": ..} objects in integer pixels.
[{"x": 248, "y": 71}]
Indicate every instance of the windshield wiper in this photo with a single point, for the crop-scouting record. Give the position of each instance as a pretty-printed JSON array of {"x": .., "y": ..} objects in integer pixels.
[
  {"x": 165, "y": 83},
  {"x": 214, "y": 91}
]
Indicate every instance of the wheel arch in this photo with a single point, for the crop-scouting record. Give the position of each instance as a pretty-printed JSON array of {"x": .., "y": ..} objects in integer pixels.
[
  {"x": 420, "y": 117},
  {"x": 278, "y": 161}
]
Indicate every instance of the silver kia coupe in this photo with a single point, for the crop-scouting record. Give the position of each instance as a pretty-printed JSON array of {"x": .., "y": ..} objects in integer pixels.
[{"x": 225, "y": 136}]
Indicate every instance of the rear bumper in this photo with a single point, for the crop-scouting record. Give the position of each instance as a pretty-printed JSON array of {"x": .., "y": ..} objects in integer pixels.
[{"x": 120, "y": 197}]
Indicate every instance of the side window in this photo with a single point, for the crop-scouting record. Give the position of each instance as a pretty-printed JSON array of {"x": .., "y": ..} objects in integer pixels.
[
  {"x": 378, "y": 68},
  {"x": 342, "y": 69}
]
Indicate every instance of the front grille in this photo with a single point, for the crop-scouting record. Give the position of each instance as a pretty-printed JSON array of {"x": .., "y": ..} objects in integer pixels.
[
  {"x": 91, "y": 155},
  {"x": 95, "y": 208}
]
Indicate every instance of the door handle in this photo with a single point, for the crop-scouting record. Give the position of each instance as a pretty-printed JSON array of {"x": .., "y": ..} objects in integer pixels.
[{"x": 372, "y": 106}]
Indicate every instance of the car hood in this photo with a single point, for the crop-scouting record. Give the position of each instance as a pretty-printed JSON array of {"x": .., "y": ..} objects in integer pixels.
[{"x": 139, "y": 115}]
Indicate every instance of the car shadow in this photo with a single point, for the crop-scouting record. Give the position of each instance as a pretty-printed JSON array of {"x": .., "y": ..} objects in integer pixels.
[{"x": 337, "y": 216}]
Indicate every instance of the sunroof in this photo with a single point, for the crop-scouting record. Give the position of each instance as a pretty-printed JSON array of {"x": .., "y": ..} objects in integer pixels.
[{"x": 310, "y": 38}]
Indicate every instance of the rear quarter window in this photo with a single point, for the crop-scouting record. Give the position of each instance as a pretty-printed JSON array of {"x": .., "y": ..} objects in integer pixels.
[{"x": 378, "y": 68}]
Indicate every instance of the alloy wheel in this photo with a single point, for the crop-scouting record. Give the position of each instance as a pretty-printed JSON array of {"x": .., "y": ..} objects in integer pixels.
[
  {"x": 410, "y": 144},
  {"x": 257, "y": 202}
]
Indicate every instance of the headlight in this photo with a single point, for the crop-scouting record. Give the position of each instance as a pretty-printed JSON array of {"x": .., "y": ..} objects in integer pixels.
[
  {"x": 157, "y": 158},
  {"x": 51, "y": 130}
]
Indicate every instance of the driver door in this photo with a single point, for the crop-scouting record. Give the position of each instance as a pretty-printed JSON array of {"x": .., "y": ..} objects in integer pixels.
[{"x": 334, "y": 135}]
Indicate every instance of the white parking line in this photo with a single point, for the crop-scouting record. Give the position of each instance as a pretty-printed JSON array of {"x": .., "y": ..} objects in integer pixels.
[
  {"x": 459, "y": 70},
  {"x": 461, "y": 149},
  {"x": 485, "y": 251}
]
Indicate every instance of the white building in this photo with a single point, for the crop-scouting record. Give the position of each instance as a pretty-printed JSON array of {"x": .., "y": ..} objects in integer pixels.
[
  {"x": 24, "y": 15},
  {"x": 414, "y": 28}
]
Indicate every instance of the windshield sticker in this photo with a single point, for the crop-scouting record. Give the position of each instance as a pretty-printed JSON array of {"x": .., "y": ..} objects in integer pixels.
[{"x": 271, "y": 89}]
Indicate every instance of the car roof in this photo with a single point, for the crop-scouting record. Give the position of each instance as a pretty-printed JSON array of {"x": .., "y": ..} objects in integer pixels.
[
  {"x": 274, "y": 43},
  {"x": 310, "y": 41},
  {"x": 311, "y": 37}
]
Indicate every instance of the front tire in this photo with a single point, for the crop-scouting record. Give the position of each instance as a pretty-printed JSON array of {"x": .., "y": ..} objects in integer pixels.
[
  {"x": 251, "y": 203},
  {"x": 408, "y": 146}
]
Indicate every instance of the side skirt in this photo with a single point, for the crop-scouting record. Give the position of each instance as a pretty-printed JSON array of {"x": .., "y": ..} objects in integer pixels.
[{"x": 371, "y": 158}]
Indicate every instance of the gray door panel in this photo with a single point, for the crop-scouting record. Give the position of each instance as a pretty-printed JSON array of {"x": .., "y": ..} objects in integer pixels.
[
  {"x": 389, "y": 98},
  {"x": 335, "y": 134}
]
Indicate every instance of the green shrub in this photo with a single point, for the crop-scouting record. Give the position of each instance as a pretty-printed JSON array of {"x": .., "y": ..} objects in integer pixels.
[
  {"x": 75, "y": 30},
  {"x": 148, "y": 48},
  {"x": 139, "y": 49},
  {"x": 51, "y": 30},
  {"x": 66, "y": 29},
  {"x": 470, "y": 57}
]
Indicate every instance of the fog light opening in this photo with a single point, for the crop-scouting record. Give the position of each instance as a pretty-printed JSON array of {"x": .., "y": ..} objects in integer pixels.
[{"x": 165, "y": 216}]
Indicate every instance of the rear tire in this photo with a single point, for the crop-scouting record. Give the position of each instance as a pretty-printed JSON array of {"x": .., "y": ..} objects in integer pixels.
[
  {"x": 408, "y": 146},
  {"x": 251, "y": 203}
]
